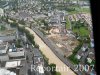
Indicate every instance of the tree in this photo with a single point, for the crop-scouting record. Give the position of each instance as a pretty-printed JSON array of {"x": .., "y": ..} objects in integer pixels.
[
  {"x": 37, "y": 46},
  {"x": 21, "y": 29},
  {"x": 64, "y": 56},
  {"x": 46, "y": 25},
  {"x": 22, "y": 22},
  {"x": 14, "y": 24},
  {"x": 18, "y": 43},
  {"x": 53, "y": 68},
  {"x": 2, "y": 27}
]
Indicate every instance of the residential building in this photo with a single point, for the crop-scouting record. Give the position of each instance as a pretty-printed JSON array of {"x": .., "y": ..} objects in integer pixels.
[
  {"x": 38, "y": 62},
  {"x": 3, "y": 51},
  {"x": 91, "y": 56},
  {"x": 12, "y": 64},
  {"x": 6, "y": 72},
  {"x": 82, "y": 51},
  {"x": 16, "y": 53},
  {"x": 84, "y": 47},
  {"x": 92, "y": 39},
  {"x": 8, "y": 35},
  {"x": 80, "y": 54}
]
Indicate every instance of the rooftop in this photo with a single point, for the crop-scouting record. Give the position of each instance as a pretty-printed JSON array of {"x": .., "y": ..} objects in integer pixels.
[
  {"x": 84, "y": 47},
  {"x": 53, "y": 20},
  {"x": 12, "y": 64},
  {"x": 3, "y": 47},
  {"x": 41, "y": 70},
  {"x": 6, "y": 72},
  {"x": 17, "y": 49},
  {"x": 91, "y": 54},
  {"x": 80, "y": 52},
  {"x": 37, "y": 52},
  {"x": 2, "y": 42},
  {"x": 24, "y": 14}
]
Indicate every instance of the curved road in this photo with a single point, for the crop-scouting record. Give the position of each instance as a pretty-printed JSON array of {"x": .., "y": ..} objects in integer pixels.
[{"x": 65, "y": 70}]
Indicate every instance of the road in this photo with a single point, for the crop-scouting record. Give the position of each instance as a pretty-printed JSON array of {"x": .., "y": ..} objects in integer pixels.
[
  {"x": 26, "y": 65},
  {"x": 49, "y": 54}
]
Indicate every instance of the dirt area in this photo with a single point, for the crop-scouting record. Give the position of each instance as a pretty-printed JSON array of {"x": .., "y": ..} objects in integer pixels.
[{"x": 66, "y": 42}]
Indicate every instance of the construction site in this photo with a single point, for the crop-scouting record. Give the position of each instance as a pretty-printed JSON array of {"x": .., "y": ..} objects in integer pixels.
[{"x": 64, "y": 39}]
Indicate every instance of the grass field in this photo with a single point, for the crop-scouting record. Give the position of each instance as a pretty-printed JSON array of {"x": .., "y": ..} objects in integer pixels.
[
  {"x": 82, "y": 31},
  {"x": 68, "y": 24}
]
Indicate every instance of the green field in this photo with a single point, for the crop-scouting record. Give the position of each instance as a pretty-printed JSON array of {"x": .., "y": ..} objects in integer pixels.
[
  {"x": 80, "y": 28},
  {"x": 68, "y": 24},
  {"x": 82, "y": 31}
]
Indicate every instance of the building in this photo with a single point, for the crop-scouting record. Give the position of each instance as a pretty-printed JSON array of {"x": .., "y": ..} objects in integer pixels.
[
  {"x": 84, "y": 47},
  {"x": 1, "y": 12},
  {"x": 38, "y": 58},
  {"x": 8, "y": 35},
  {"x": 92, "y": 39},
  {"x": 3, "y": 47},
  {"x": 6, "y": 72},
  {"x": 38, "y": 62},
  {"x": 40, "y": 70},
  {"x": 57, "y": 18},
  {"x": 91, "y": 56},
  {"x": 16, "y": 53},
  {"x": 80, "y": 54},
  {"x": 12, "y": 64},
  {"x": 24, "y": 15},
  {"x": 3, "y": 51}
]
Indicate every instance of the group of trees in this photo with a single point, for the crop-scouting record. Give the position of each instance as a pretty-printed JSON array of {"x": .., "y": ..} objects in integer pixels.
[
  {"x": 21, "y": 22},
  {"x": 72, "y": 57},
  {"x": 18, "y": 43},
  {"x": 53, "y": 69},
  {"x": 46, "y": 25},
  {"x": 44, "y": 22},
  {"x": 14, "y": 24},
  {"x": 2, "y": 27},
  {"x": 28, "y": 35},
  {"x": 78, "y": 24}
]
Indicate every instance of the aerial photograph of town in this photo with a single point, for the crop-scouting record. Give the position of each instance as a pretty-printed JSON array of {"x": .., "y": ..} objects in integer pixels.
[{"x": 46, "y": 37}]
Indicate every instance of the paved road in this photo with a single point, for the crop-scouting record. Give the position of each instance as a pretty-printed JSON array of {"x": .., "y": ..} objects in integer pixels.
[{"x": 29, "y": 54}]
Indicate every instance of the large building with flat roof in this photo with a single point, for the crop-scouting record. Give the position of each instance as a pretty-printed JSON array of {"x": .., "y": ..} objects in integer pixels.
[
  {"x": 16, "y": 53},
  {"x": 12, "y": 64}
]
